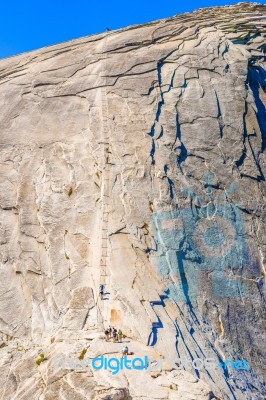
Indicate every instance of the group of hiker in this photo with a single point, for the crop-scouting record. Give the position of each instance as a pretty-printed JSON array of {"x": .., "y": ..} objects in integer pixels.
[
  {"x": 112, "y": 333},
  {"x": 117, "y": 336}
]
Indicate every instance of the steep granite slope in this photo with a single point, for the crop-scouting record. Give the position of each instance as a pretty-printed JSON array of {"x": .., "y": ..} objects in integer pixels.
[{"x": 136, "y": 159}]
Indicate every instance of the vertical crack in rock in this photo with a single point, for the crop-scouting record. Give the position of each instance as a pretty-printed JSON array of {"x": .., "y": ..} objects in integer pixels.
[
  {"x": 219, "y": 116},
  {"x": 158, "y": 112},
  {"x": 183, "y": 151}
]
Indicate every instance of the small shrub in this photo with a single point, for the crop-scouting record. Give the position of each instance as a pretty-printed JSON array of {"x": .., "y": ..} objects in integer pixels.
[
  {"x": 40, "y": 359},
  {"x": 81, "y": 357}
]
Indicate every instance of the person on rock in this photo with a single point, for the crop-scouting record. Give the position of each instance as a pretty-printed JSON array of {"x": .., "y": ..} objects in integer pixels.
[
  {"x": 115, "y": 336},
  {"x": 101, "y": 291},
  {"x": 120, "y": 335},
  {"x": 107, "y": 334},
  {"x": 125, "y": 351},
  {"x": 110, "y": 332}
]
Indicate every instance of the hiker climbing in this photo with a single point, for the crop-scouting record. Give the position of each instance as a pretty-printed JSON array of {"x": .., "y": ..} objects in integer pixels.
[{"x": 101, "y": 291}]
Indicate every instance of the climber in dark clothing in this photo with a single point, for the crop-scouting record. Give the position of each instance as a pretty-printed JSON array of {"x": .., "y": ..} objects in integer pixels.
[
  {"x": 101, "y": 291},
  {"x": 107, "y": 333},
  {"x": 115, "y": 336}
]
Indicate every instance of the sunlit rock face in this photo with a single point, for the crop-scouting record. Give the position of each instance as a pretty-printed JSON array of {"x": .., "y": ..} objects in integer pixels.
[{"x": 136, "y": 159}]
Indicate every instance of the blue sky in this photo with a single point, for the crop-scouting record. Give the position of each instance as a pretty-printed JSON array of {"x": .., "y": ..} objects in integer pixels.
[{"x": 26, "y": 24}]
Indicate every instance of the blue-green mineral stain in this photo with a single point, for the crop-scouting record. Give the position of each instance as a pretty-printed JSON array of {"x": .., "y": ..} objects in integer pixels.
[{"x": 211, "y": 240}]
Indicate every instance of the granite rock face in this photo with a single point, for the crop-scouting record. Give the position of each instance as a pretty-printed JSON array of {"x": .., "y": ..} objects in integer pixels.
[{"x": 136, "y": 159}]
